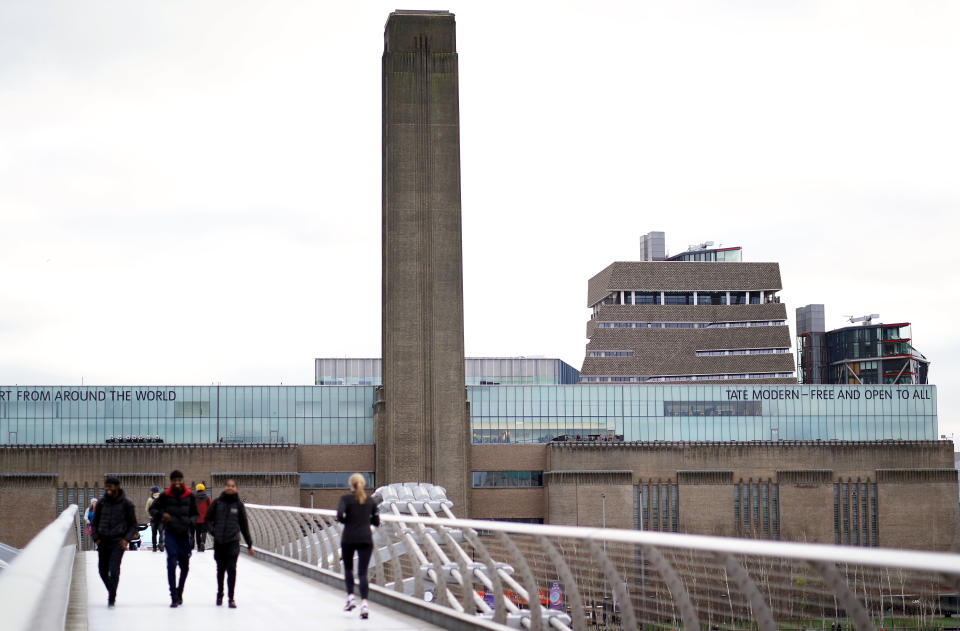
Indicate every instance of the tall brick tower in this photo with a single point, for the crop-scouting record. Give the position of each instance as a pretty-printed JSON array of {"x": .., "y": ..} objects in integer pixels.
[{"x": 422, "y": 424}]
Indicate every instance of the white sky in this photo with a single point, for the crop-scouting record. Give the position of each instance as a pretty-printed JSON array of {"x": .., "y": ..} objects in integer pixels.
[{"x": 190, "y": 191}]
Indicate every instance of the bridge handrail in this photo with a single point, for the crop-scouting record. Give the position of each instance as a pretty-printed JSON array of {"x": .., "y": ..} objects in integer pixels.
[
  {"x": 33, "y": 592},
  {"x": 940, "y": 562}
]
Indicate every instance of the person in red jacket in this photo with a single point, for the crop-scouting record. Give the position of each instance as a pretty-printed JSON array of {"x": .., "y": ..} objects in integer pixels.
[{"x": 203, "y": 503}]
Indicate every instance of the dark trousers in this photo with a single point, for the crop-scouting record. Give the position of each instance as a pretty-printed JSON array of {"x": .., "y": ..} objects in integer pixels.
[
  {"x": 363, "y": 550},
  {"x": 178, "y": 553},
  {"x": 225, "y": 554},
  {"x": 157, "y": 534},
  {"x": 111, "y": 554},
  {"x": 201, "y": 534}
]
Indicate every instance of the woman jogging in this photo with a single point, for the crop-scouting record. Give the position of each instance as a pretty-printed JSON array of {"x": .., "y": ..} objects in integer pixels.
[
  {"x": 357, "y": 512},
  {"x": 226, "y": 521}
]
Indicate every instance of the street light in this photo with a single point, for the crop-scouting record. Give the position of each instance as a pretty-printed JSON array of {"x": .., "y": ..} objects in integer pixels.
[{"x": 603, "y": 523}]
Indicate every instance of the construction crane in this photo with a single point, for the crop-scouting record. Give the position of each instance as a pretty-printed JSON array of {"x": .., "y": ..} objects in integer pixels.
[{"x": 867, "y": 319}]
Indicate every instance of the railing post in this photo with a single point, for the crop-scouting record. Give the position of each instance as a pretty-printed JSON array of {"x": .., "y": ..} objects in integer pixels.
[
  {"x": 499, "y": 606},
  {"x": 842, "y": 591},
  {"x": 677, "y": 589},
  {"x": 570, "y": 583},
  {"x": 395, "y": 557},
  {"x": 761, "y": 610},
  {"x": 440, "y": 587},
  {"x": 619, "y": 586},
  {"x": 530, "y": 583}
]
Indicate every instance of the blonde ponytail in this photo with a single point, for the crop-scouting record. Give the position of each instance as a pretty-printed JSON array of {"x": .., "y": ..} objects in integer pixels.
[{"x": 357, "y": 484}]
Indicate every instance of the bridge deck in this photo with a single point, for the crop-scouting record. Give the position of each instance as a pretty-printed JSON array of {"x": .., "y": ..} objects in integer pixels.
[{"x": 267, "y": 598}]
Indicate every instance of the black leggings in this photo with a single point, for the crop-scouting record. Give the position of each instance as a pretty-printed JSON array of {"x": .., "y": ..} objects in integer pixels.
[
  {"x": 363, "y": 550},
  {"x": 226, "y": 555}
]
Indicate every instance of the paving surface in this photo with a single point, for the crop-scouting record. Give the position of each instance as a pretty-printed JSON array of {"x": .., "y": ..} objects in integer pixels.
[{"x": 267, "y": 598}]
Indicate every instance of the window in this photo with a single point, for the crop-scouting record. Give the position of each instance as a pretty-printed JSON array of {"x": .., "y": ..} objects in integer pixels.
[
  {"x": 332, "y": 480},
  {"x": 755, "y": 509},
  {"x": 678, "y": 298},
  {"x": 855, "y": 513},
  {"x": 646, "y": 298},
  {"x": 712, "y": 408},
  {"x": 712, "y": 298},
  {"x": 743, "y": 351},
  {"x": 506, "y": 479},
  {"x": 738, "y": 297},
  {"x": 610, "y": 354},
  {"x": 659, "y": 507}
]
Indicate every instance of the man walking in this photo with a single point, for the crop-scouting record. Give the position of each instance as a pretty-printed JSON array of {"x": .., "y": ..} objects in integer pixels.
[
  {"x": 114, "y": 524},
  {"x": 203, "y": 503},
  {"x": 156, "y": 526},
  {"x": 177, "y": 509}
]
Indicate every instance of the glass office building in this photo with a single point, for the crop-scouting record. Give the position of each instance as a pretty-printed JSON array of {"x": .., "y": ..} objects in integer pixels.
[
  {"x": 343, "y": 415},
  {"x": 479, "y": 371}
]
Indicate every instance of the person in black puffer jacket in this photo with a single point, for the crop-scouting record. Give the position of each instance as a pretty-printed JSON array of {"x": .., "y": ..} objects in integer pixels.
[
  {"x": 177, "y": 509},
  {"x": 226, "y": 521},
  {"x": 357, "y": 512},
  {"x": 114, "y": 524}
]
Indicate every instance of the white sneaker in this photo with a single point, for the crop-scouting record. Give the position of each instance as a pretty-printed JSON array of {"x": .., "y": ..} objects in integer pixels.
[
  {"x": 351, "y": 603},
  {"x": 363, "y": 612}
]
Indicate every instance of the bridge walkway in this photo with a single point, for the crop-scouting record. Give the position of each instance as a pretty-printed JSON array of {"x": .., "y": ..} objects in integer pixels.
[{"x": 267, "y": 597}]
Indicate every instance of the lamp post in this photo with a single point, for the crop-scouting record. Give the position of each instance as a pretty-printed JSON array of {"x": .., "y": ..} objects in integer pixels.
[{"x": 603, "y": 523}]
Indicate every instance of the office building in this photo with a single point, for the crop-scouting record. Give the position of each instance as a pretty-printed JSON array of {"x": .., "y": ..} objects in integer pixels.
[{"x": 857, "y": 355}]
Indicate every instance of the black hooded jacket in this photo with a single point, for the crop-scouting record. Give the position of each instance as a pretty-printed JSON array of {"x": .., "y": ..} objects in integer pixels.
[
  {"x": 227, "y": 520},
  {"x": 357, "y": 519},
  {"x": 182, "y": 508},
  {"x": 114, "y": 519}
]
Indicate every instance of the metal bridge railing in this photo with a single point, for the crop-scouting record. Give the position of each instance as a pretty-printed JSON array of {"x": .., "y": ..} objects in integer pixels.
[
  {"x": 556, "y": 577},
  {"x": 35, "y": 587}
]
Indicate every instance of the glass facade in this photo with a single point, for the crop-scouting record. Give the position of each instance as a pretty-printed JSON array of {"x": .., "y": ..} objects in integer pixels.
[
  {"x": 868, "y": 354},
  {"x": 725, "y": 255},
  {"x": 518, "y": 371},
  {"x": 479, "y": 371},
  {"x": 312, "y": 415},
  {"x": 333, "y": 480},
  {"x": 343, "y": 415},
  {"x": 506, "y": 479},
  {"x": 702, "y": 413}
]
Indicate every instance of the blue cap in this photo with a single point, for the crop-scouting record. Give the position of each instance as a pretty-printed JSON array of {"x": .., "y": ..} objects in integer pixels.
[{"x": 154, "y": 489}]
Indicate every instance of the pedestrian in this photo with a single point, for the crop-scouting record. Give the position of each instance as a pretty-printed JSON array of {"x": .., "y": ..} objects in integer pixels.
[
  {"x": 203, "y": 503},
  {"x": 89, "y": 519},
  {"x": 156, "y": 526},
  {"x": 226, "y": 521},
  {"x": 114, "y": 525},
  {"x": 357, "y": 512},
  {"x": 177, "y": 509}
]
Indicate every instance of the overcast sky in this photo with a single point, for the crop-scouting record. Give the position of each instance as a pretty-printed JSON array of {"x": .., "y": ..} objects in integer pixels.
[{"x": 190, "y": 191}]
